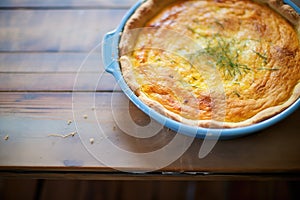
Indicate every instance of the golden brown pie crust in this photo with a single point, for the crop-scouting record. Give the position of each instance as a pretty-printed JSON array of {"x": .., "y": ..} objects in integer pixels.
[{"x": 276, "y": 91}]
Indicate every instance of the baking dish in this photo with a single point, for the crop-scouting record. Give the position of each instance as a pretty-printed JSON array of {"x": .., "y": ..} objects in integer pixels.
[{"x": 110, "y": 53}]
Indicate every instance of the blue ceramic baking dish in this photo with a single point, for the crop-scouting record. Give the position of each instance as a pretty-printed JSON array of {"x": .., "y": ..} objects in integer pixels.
[{"x": 110, "y": 54}]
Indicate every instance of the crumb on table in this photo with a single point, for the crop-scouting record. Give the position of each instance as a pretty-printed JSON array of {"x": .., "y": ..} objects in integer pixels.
[
  {"x": 6, "y": 137},
  {"x": 92, "y": 140}
]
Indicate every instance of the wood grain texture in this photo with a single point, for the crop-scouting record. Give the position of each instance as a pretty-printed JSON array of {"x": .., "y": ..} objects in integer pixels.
[
  {"x": 29, "y": 118},
  {"x": 51, "y": 71},
  {"x": 65, "y": 82},
  {"x": 55, "y": 72},
  {"x": 50, "y": 62},
  {"x": 67, "y": 3},
  {"x": 158, "y": 190},
  {"x": 56, "y": 30},
  {"x": 18, "y": 189}
]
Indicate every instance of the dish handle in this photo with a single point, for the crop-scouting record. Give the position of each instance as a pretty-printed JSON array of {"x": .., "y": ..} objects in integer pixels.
[{"x": 110, "y": 51}]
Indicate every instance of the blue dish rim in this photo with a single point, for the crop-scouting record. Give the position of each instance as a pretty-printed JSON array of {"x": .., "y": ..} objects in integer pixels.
[{"x": 110, "y": 54}]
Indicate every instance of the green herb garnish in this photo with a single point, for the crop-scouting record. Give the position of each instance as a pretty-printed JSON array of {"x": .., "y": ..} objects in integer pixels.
[
  {"x": 260, "y": 55},
  {"x": 226, "y": 56},
  {"x": 264, "y": 57},
  {"x": 237, "y": 94}
]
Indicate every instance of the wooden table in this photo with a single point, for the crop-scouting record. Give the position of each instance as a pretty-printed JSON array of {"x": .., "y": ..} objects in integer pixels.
[{"x": 54, "y": 95}]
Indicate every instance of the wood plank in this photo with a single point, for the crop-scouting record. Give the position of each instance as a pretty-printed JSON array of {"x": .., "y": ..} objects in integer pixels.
[
  {"x": 206, "y": 190},
  {"x": 138, "y": 190},
  {"x": 63, "y": 62},
  {"x": 29, "y": 118},
  {"x": 57, "y": 82},
  {"x": 177, "y": 190},
  {"x": 18, "y": 189},
  {"x": 56, "y": 30},
  {"x": 94, "y": 174},
  {"x": 26, "y": 119},
  {"x": 66, "y": 3},
  {"x": 54, "y": 72},
  {"x": 261, "y": 190},
  {"x": 56, "y": 189},
  {"x": 110, "y": 190}
]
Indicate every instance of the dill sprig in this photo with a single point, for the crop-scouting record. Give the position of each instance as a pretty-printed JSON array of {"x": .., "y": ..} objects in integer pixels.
[
  {"x": 265, "y": 58},
  {"x": 261, "y": 56},
  {"x": 226, "y": 56}
]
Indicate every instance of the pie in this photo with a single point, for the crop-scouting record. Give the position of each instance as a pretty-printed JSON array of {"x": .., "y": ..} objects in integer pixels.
[{"x": 231, "y": 63}]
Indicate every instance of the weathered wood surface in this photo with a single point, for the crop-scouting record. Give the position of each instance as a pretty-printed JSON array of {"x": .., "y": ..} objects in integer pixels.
[
  {"x": 32, "y": 189},
  {"x": 29, "y": 119},
  {"x": 51, "y": 71},
  {"x": 95, "y": 4},
  {"x": 55, "y": 30},
  {"x": 56, "y": 82}
]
